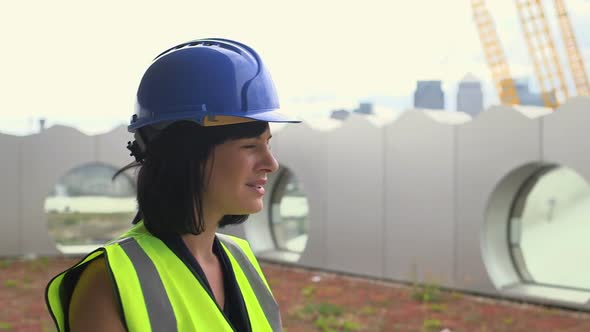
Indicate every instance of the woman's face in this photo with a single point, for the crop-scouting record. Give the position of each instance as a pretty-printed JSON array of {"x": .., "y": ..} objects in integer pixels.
[{"x": 237, "y": 172}]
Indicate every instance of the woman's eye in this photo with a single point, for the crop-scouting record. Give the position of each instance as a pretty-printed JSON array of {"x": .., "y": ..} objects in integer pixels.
[{"x": 254, "y": 146}]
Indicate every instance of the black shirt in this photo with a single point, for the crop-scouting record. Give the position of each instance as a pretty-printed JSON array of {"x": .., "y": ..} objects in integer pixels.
[{"x": 234, "y": 307}]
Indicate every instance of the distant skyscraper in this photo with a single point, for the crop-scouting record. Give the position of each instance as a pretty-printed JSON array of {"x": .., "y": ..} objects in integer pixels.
[
  {"x": 429, "y": 94},
  {"x": 470, "y": 96},
  {"x": 341, "y": 114},
  {"x": 365, "y": 108},
  {"x": 41, "y": 125},
  {"x": 525, "y": 96}
]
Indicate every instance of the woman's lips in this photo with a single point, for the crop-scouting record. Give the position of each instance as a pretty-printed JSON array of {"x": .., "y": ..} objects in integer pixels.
[{"x": 259, "y": 189}]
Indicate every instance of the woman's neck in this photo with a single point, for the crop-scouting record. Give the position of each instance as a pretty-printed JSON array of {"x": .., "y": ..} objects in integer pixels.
[{"x": 201, "y": 246}]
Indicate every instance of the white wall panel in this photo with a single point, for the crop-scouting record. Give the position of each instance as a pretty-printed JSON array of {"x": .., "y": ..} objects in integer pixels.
[
  {"x": 495, "y": 143},
  {"x": 566, "y": 136},
  {"x": 355, "y": 214},
  {"x": 302, "y": 150},
  {"x": 10, "y": 196},
  {"x": 415, "y": 199},
  {"x": 419, "y": 199},
  {"x": 46, "y": 157}
]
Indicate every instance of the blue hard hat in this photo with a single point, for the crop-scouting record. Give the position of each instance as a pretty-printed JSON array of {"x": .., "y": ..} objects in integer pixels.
[{"x": 210, "y": 81}]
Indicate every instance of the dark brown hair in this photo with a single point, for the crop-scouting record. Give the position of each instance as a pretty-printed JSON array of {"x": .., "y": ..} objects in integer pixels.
[{"x": 171, "y": 176}]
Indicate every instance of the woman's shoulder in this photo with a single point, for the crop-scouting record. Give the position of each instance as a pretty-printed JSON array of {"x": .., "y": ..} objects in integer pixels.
[
  {"x": 95, "y": 270},
  {"x": 93, "y": 306}
]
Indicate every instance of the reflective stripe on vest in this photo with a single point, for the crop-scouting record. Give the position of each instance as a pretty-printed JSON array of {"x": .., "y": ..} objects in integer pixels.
[
  {"x": 158, "y": 292},
  {"x": 193, "y": 306},
  {"x": 159, "y": 309},
  {"x": 267, "y": 301},
  {"x": 158, "y": 306}
]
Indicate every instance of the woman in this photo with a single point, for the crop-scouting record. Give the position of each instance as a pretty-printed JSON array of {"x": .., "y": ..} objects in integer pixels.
[{"x": 202, "y": 147}]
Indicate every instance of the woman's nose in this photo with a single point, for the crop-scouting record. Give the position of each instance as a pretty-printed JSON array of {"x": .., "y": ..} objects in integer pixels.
[{"x": 270, "y": 164}]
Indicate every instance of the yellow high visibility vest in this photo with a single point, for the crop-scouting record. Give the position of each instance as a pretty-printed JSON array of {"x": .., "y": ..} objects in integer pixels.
[{"x": 158, "y": 292}]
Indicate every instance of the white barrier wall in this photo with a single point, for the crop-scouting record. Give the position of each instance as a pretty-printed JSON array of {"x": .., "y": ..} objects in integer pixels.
[
  {"x": 565, "y": 136},
  {"x": 488, "y": 148},
  {"x": 354, "y": 202},
  {"x": 32, "y": 165},
  {"x": 422, "y": 197},
  {"x": 419, "y": 196},
  {"x": 10, "y": 197},
  {"x": 308, "y": 162}
]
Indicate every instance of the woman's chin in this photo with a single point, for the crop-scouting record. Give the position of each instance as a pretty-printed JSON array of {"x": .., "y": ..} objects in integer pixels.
[
  {"x": 251, "y": 209},
  {"x": 257, "y": 207}
]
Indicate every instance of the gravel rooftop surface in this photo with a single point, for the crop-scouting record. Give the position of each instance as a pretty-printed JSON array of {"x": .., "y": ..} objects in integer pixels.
[{"x": 319, "y": 301}]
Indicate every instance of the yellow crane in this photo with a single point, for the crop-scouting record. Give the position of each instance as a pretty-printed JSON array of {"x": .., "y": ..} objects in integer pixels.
[
  {"x": 548, "y": 70},
  {"x": 494, "y": 53},
  {"x": 575, "y": 60}
]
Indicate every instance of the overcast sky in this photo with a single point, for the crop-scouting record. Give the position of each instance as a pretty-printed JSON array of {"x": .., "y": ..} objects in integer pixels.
[{"x": 79, "y": 62}]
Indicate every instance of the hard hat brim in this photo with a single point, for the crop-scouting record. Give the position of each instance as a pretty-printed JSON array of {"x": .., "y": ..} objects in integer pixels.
[
  {"x": 272, "y": 116},
  {"x": 216, "y": 119}
]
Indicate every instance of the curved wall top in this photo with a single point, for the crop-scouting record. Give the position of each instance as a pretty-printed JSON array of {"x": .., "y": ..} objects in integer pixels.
[
  {"x": 408, "y": 196},
  {"x": 32, "y": 165},
  {"x": 445, "y": 117}
]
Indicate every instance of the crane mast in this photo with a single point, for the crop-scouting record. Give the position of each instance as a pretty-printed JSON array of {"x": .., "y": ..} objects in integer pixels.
[
  {"x": 547, "y": 67},
  {"x": 494, "y": 54},
  {"x": 542, "y": 52},
  {"x": 575, "y": 60}
]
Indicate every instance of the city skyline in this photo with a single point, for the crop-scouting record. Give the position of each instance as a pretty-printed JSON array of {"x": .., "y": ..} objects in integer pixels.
[
  {"x": 322, "y": 107},
  {"x": 63, "y": 63}
]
